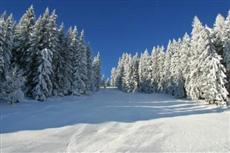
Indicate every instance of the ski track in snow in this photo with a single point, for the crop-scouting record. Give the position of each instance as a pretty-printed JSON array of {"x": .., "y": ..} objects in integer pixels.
[{"x": 113, "y": 121}]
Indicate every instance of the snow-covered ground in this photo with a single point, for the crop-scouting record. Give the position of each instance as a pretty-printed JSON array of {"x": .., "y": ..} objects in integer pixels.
[{"x": 113, "y": 121}]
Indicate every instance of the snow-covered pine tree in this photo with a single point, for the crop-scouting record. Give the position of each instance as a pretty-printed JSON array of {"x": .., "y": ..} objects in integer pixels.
[
  {"x": 154, "y": 67},
  {"x": 120, "y": 72},
  {"x": 74, "y": 55},
  {"x": 52, "y": 32},
  {"x": 176, "y": 71},
  {"x": 63, "y": 64},
  {"x": 83, "y": 63},
  {"x": 42, "y": 81},
  {"x": 185, "y": 60},
  {"x": 8, "y": 33},
  {"x": 43, "y": 45},
  {"x": 226, "y": 49},
  {"x": 11, "y": 87},
  {"x": 196, "y": 51},
  {"x": 11, "y": 80},
  {"x": 167, "y": 80},
  {"x": 161, "y": 69},
  {"x": 145, "y": 72},
  {"x": 135, "y": 74},
  {"x": 127, "y": 80},
  {"x": 218, "y": 34},
  {"x": 97, "y": 72},
  {"x": 23, "y": 31},
  {"x": 125, "y": 63},
  {"x": 1, "y": 47},
  {"x": 156, "y": 64},
  {"x": 89, "y": 84},
  {"x": 113, "y": 76},
  {"x": 209, "y": 74}
]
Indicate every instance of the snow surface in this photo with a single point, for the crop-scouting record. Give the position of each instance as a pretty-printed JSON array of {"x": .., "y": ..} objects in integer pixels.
[{"x": 113, "y": 121}]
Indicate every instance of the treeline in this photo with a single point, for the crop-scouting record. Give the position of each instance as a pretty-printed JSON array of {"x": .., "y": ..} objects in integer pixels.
[
  {"x": 195, "y": 67},
  {"x": 39, "y": 59}
]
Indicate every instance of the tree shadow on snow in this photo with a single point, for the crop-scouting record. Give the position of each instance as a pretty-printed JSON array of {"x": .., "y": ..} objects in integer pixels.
[{"x": 108, "y": 105}]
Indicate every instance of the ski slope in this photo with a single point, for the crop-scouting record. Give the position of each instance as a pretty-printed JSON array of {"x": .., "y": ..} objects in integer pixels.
[{"x": 112, "y": 121}]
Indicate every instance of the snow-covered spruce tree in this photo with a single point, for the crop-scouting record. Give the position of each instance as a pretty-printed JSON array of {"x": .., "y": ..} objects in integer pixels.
[
  {"x": 42, "y": 47},
  {"x": 167, "y": 81},
  {"x": 196, "y": 51},
  {"x": 120, "y": 72},
  {"x": 8, "y": 33},
  {"x": 43, "y": 82},
  {"x": 2, "y": 42},
  {"x": 11, "y": 86},
  {"x": 125, "y": 63},
  {"x": 176, "y": 71},
  {"x": 154, "y": 66},
  {"x": 156, "y": 57},
  {"x": 53, "y": 43},
  {"x": 209, "y": 76},
  {"x": 185, "y": 51},
  {"x": 113, "y": 77},
  {"x": 23, "y": 31},
  {"x": 218, "y": 34},
  {"x": 185, "y": 55},
  {"x": 135, "y": 74},
  {"x": 2, "y": 52},
  {"x": 161, "y": 69},
  {"x": 96, "y": 72},
  {"x": 6, "y": 43},
  {"x": 128, "y": 79},
  {"x": 89, "y": 83},
  {"x": 83, "y": 63},
  {"x": 74, "y": 54},
  {"x": 11, "y": 80},
  {"x": 226, "y": 49},
  {"x": 62, "y": 65},
  {"x": 145, "y": 72}
]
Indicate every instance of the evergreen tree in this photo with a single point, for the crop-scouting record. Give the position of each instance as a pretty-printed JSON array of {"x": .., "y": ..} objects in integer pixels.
[
  {"x": 161, "y": 69},
  {"x": 184, "y": 61},
  {"x": 89, "y": 83},
  {"x": 63, "y": 65},
  {"x": 74, "y": 53},
  {"x": 120, "y": 72},
  {"x": 113, "y": 76},
  {"x": 127, "y": 80},
  {"x": 145, "y": 72},
  {"x": 11, "y": 87},
  {"x": 135, "y": 75},
  {"x": 43, "y": 46},
  {"x": 2, "y": 42},
  {"x": 42, "y": 81},
  {"x": 23, "y": 31},
  {"x": 97, "y": 72},
  {"x": 167, "y": 83},
  {"x": 218, "y": 34},
  {"x": 154, "y": 68},
  {"x": 209, "y": 75},
  {"x": 226, "y": 49},
  {"x": 196, "y": 51},
  {"x": 8, "y": 28},
  {"x": 83, "y": 63}
]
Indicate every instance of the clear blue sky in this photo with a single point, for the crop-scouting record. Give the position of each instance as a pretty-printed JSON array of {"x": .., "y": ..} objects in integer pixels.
[{"x": 115, "y": 26}]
